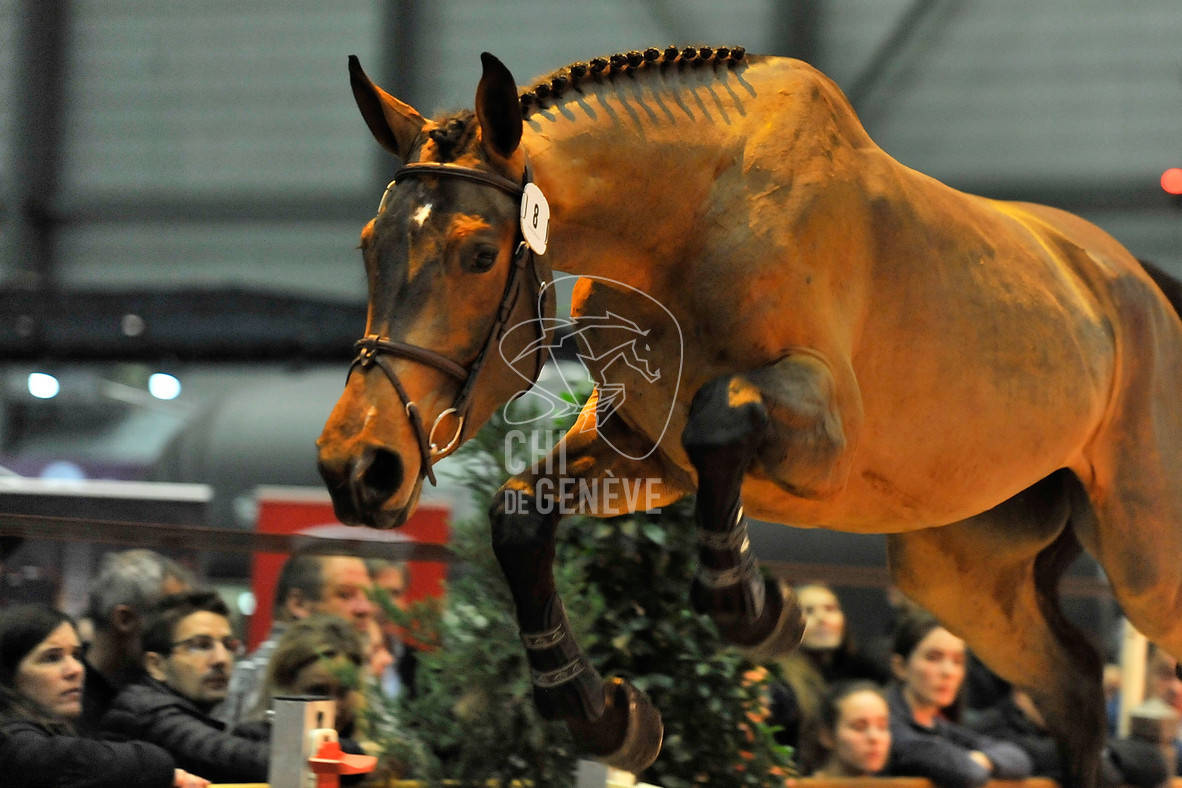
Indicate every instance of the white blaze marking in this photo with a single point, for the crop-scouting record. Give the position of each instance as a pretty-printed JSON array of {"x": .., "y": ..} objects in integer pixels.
[{"x": 421, "y": 214}]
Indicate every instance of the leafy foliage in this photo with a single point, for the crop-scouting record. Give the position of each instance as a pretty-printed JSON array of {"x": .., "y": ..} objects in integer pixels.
[{"x": 625, "y": 582}]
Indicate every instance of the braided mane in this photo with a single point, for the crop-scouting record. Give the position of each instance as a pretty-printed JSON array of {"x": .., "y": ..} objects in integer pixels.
[
  {"x": 551, "y": 89},
  {"x": 453, "y": 133}
]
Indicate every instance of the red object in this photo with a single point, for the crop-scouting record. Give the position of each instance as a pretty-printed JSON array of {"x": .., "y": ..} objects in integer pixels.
[
  {"x": 329, "y": 763},
  {"x": 289, "y": 510},
  {"x": 1171, "y": 180}
]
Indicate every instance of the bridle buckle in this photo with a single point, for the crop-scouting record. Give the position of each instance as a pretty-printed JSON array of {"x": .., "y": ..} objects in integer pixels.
[
  {"x": 367, "y": 355},
  {"x": 453, "y": 444}
]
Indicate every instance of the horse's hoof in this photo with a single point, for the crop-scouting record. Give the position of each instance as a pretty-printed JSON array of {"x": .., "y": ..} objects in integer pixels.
[
  {"x": 628, "y": 736},
  {"x": 785, "y": 635}
]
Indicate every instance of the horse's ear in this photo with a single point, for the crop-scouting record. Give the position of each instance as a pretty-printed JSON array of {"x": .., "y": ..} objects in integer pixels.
[
  {"x": 394, "y": 124},
  {"x": 498, "y": 109}
]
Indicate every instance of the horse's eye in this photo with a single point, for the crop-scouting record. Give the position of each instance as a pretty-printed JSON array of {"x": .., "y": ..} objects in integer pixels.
[{"x": 484, "y": 258}]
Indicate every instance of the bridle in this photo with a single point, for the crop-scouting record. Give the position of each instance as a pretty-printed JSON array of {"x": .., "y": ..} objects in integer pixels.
[{"x": 373, "y": 349}]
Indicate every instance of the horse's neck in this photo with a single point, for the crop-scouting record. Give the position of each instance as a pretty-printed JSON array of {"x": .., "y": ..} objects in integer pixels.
[{"x": 632, "y": 167}]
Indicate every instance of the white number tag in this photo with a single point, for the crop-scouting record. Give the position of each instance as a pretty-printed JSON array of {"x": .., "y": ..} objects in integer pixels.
[{"x": 535, "y": 218}]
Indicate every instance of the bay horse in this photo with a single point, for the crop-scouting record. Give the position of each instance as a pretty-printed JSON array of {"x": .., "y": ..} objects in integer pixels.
[{"x": 865, "y": 349}]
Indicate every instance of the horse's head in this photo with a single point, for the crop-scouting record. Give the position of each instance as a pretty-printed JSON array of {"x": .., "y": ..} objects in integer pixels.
[{"x": 449, "y": 272}]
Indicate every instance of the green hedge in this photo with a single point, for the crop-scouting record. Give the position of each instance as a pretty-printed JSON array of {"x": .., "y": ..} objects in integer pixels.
[{"x": 625, "y": 582}]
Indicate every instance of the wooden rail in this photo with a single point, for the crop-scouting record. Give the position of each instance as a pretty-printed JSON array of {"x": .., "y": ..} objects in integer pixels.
[{"x": 802, "y": 782}]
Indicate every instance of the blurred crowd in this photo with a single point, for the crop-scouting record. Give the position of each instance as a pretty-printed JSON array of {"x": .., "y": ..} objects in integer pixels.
[
  {"x": 152, "y": 688},
  {"x": 913, "y": 702}
]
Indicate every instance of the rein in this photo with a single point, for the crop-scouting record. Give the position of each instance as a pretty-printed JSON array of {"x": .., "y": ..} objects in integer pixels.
[{"x": 373, "y": 349}]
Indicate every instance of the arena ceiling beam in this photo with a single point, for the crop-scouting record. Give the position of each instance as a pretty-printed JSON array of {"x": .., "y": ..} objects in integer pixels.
[{"x": 185, "y": 325}]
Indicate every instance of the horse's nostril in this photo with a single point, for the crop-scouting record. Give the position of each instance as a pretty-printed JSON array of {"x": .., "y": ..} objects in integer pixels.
[{"x": 377, "y": 477}]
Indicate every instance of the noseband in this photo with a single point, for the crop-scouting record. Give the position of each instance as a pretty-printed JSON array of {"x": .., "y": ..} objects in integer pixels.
[{"x": 374, "y": 350}]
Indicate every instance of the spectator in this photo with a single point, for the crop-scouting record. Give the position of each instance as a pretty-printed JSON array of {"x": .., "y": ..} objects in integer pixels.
[
  {"x": 391, "y": 581},
  {"x": 308, "y": 584},
  {"x": 378, "y": 657},
  {"x": 319, "y": 655},
  {"x": 878, "y": 648},
  {"x": 1162, "y": 685},
  {"x": 189, "y": 651},
  {"x": 929, "y": 663},
  {"x": 826, "y": 655},
  {"x": 128, "y": 584},
  {"x": 1112, "y": 682},
  {"x": 392, "y": 578},
  {"x": 41, "y": 693},
  {"x": 1016, "y": 719},
  {"x": 854, "y": 730}
]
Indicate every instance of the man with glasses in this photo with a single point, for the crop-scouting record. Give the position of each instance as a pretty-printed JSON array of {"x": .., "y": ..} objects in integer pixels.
[{"x": 189, "y": 651}]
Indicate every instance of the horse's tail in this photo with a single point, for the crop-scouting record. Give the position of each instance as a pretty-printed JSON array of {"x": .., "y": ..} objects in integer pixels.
[{"x": 1170, "y": 285}]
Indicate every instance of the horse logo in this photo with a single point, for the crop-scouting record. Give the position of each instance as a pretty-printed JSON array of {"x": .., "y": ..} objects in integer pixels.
[{"x": 616, "y": 355}]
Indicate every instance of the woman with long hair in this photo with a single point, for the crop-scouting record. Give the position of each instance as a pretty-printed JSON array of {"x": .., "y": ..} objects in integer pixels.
[
  {"x": 41, "y": 674},
  {"x": 318, "y": 655},
  {"x": 827, "y": 654},
  {"x": 929, "y": 667}
]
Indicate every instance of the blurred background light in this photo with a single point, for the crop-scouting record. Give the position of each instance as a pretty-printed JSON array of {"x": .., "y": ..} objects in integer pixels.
[
  {"x": 43, "y": 385},
  {"x": 1171, "y": 180},
  {"x": 63, "y": 469},
  {"x": 246, "y": 603},
  {"x": 161, "y": 385}
]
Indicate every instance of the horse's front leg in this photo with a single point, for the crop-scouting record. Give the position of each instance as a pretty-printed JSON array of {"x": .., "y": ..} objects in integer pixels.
[
  {"x": 612, "y": 721},
  {"x": 784, "y": 419}
]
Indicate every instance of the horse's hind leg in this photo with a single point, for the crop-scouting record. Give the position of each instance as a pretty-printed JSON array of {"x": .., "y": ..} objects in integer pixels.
[
  {"x": 1133, "y": 465},
  {"x": 993, "y": 580},
  {"x": 1136, "y": 498},
  {"x": 784, "y": 410}
]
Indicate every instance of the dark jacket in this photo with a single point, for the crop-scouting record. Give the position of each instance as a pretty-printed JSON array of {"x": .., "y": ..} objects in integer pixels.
[
  {"x": 1123, "y": 762},
  {"x": 98, "y": 693},
  {"x": 151, "y": 711},
  {"x": 33, "y": 756},
  {"x": 941, "y": 752}
]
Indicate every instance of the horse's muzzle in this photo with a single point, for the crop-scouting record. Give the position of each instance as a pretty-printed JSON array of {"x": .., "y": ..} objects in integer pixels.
[{"x": 360, "y": 487}]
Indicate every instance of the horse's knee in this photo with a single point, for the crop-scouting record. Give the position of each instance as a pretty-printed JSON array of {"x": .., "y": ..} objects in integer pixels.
[
  {"x": 518, "y": 522},
  {"x": 727, "y": 412},
  {"x": 782, "y": 420}
]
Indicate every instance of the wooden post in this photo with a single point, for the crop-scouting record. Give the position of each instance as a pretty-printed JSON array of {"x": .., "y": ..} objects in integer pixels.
[
  {"x": 1133, "y": 650},
  {"x": 593, "y": 774}
]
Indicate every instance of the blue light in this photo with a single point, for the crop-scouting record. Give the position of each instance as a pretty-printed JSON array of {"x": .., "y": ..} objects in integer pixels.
[
  {"x": 161, "y": 385},
  {"x": 43, "y": 385}
]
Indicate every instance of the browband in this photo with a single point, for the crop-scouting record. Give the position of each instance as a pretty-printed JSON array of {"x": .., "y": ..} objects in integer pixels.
[{"x": 449, "y": 170}]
